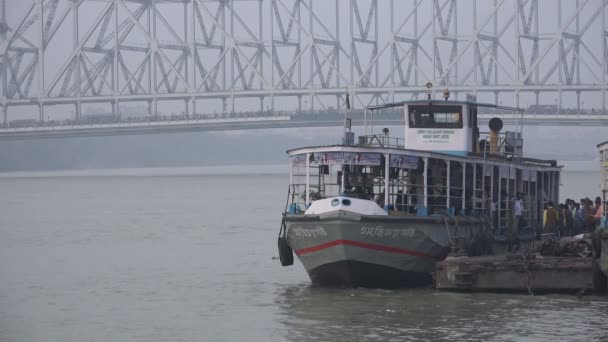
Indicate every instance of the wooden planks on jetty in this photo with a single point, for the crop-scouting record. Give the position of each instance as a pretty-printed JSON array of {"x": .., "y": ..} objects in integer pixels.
[{"x": 512, "y": 272}]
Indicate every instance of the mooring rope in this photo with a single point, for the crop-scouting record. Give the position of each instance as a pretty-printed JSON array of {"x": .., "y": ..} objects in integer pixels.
[
  {"x": 447, "y": 228},
  {"x": 525, "y": 254}
]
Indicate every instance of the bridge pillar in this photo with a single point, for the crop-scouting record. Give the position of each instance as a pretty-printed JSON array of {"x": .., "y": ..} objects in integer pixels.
[
  {"x": 4, "y": 116},
  {"x": 299, "y": 104},
  {"x": 115, "y": 109},
  {"x": 40, "y": 112},
  {"x": 261, "y": 104},
  {"x": 272, "y": 105},
  {"x": 77, "y": 111},
  {"x": 194, "y": 107},
  {"x": 187, "y": 107},
  {"x": 152, "y": 108}
]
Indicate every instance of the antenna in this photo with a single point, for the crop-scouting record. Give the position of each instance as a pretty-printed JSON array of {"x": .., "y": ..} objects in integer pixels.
[{"x": 348, "y": 136}]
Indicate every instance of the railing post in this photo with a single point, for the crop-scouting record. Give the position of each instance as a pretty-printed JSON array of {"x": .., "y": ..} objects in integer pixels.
[
  {"x": 447, "y": 199},
  {"x": 386, "y": 179},
  {"x": 307, "y": 180},
  {"x": 464, "y": 177},
  {"x": 498, "y": 207},
  {"x": 426, "y": 183}
]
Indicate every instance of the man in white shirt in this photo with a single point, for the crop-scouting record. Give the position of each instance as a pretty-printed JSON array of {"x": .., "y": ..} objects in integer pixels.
[{"x": 518, "y": 211}]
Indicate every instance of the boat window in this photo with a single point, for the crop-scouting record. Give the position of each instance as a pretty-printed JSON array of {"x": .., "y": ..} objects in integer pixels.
[{"x": 435, "y": 116}]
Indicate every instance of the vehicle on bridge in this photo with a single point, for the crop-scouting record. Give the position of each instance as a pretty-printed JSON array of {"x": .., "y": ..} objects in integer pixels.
[{"x": 382, "y": 211}]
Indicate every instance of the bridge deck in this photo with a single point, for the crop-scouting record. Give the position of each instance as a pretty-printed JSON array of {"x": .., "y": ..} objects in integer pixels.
[{"x": 158, "y": 127}]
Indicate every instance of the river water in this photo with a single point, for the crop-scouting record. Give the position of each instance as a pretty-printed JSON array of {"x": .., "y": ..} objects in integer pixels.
[{"x": 145, "y": 255}]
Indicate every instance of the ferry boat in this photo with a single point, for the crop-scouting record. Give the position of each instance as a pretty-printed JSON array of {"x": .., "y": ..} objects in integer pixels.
[{"x": 382, "y": 211}]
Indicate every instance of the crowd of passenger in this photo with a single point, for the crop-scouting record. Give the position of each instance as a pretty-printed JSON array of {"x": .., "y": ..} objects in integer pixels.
[{"x": 572, "y": 218}]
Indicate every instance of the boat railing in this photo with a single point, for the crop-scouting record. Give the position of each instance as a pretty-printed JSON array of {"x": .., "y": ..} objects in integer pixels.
[
  {"x": 380, "y": 140},
  {"x": 507, "y": 144},
  {"x": 409, "y": 203}
]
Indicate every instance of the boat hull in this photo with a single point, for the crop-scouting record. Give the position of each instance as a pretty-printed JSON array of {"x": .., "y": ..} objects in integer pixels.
[
  {"x": 351, "y": 273},
  {"x": 347, "y": 249}
]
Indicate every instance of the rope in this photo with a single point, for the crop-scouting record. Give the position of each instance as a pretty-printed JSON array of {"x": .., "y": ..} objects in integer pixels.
[
  {"x": 587, "y": 286},
  {"x": 525, "y": 255},
  {"x": 447, "y": 228}
]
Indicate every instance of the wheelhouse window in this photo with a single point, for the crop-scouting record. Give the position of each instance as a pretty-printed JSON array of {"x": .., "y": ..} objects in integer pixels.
[{"x": 435, "y": 116}]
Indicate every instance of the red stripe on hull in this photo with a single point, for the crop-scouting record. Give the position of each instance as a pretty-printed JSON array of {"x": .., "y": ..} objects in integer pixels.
[{"x": 383, "y": 248}]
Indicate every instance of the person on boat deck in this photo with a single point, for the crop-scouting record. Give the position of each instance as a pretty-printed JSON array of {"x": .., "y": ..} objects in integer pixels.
[
  {"x": 518, "y": 211},
  {"x": 400, "y": 201},
  {"x": 486, "y": 202},
  {"x": 379, "y": 199},
  {"x": 438, "y": 197},
  {"x": 550, "y": 218},
  {"x": 494, "y": 211}
]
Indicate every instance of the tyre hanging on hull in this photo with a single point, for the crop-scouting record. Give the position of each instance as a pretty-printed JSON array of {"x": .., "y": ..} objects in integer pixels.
[{"x": 285, "y": 252}]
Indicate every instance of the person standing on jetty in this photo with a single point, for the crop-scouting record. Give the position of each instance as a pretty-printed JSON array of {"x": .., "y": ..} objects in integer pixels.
[
  {"x": 589, "y": 212},
  {"x": 579, "y": 219},
  {"x": 599, "y": 213},
  {"x": 550, "y": 219}
]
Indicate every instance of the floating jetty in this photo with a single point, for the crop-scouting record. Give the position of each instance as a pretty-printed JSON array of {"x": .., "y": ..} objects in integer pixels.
[{"x": 515, "y": 273}]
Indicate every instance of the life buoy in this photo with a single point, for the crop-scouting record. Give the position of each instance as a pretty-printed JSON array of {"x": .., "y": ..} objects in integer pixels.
[{"x": 285, "y": 252}]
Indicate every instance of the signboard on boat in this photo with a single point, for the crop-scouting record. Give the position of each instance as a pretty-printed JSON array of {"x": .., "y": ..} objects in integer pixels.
[
  {"x": 368, "y": 159},
  {"x": 298, "y": 160},
  {"x": 329, "y": 158},
  {"x": 403, "y": 162},
  {"x": 435, "y": 136},
  {"x": 353, "y": 158}
]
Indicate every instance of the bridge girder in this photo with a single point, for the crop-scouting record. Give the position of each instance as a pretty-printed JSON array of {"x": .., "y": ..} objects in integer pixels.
[{"x": 85, "y": 51}]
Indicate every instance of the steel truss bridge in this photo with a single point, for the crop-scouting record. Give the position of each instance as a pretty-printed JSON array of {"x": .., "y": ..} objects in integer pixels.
[{"x": 301, "y": 54}]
